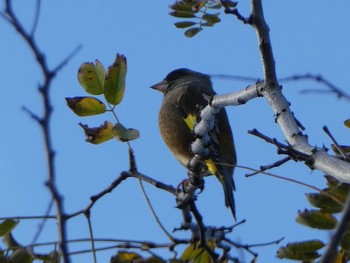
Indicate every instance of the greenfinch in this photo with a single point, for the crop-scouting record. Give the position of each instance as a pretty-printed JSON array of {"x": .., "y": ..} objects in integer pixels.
[{"x": 185, "y": 93}]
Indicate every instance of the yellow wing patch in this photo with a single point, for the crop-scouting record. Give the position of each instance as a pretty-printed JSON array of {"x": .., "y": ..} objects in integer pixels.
[
  {"x": 191, "y": 121},
  {"x": 212, "y": 167}
]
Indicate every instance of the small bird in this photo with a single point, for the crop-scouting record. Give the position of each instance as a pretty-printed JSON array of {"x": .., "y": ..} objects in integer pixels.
[{"x": 184, "y": 96}]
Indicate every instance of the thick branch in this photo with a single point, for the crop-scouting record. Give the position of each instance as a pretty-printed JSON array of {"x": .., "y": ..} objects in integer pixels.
[{"x": 280, "y": 106}]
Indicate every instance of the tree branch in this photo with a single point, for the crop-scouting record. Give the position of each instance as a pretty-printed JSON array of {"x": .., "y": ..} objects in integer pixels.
[{"x": 44, "y": 121}]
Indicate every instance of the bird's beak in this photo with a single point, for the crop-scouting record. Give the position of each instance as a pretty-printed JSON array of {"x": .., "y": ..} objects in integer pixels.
[{"x": 161, "y": 86}]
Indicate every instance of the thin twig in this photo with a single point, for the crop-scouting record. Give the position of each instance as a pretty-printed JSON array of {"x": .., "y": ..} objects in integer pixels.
[
  {"x": 93, "y": 249},
  {"x": 36, "y": 18},
  {"x": 336, "y": 145},
  {"x": 318, "y": 78},
  {"x": 44, "y": 121},
  {"x": 270, "y": 166},
  {"x": 42, "y": 224},
  {"x": 334, "y": 198},
  {"x": 202, "y": 230}
]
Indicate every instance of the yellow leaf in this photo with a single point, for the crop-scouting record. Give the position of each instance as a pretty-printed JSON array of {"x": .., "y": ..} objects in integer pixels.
[
  {"x": 86, "y": 106},
  {"x": 99, "y": 134}
]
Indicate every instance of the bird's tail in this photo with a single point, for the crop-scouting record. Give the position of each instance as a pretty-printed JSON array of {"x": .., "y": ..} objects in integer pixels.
[
  {"x": 226, "y": 179},
  {"x": 228, "y": 186}
]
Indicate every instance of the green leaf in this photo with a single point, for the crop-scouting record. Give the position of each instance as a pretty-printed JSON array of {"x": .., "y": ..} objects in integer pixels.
[
  {"x": 101, "y": 72},
  {"x": 316, "y": 219},
  {"x": 114, "y": 84},
  {"x": 53, "y": 257},
  {"x": 125, "y": 257},
  {"x": 123, "y": 134},
  {"x": 91, "y": 77},
  {"x": 182, "y": 14},
  {"x": 345, "y": 242},
  {"x": 192, "y": 31},
  {"x": 301, "y": 250},
  {"x": 184, "y": 6},
  {"x": 211, "y": 19},
  {"x": 7, "y": 226},
  {"x": 196, "y": 254},
  {"x": 347, "y": 123},
  {"x": 10, "y": 241},
  {"x": 99, "y": 134},
  {"x": 184, "y": 24},
  {"x": 324, "y": 202},
  {"x": 338, "y": 189},
  {"x": 21, "y": 255},
  {"x": 86, "y": 106}
]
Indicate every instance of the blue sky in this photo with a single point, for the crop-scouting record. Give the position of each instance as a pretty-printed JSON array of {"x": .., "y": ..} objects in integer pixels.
[{"x": 307, "y": 38}]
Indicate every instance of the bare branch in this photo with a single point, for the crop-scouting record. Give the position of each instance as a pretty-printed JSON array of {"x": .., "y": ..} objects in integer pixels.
[
  {"x": 44, "y": 121},
  {"x": 318, "y": 78},
  {"x": 36, "y": 18}
]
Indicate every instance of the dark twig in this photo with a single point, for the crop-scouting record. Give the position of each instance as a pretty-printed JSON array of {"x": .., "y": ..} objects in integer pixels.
[
  {"x": 36, "y": 18},
  {"x": 123, "y": 176},
  {"x": 334, "y": 198},
  {"x": 202, "y": 231},
  {"x": 93, "y": 249},
  {"x": 44, "y": 121},
  {"x": 285, "y": 149},
  {"x": 270, "y": 166},
  {"x": 42, "y": 224},
  {"x": 318, "y": 78},
  {"x": 336, "y": 145}
]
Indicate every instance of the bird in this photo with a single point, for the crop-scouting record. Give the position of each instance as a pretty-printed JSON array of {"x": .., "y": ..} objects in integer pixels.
[{"x": 185, "y": 93}]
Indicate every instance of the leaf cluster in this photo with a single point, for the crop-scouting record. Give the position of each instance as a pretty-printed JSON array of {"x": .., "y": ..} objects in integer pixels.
[
  {"x": 199, "y": 14},
  {"x": 16, "y": 253},
  {"x": 326, "y": 203},
  {"x": 95, "y": 80}
]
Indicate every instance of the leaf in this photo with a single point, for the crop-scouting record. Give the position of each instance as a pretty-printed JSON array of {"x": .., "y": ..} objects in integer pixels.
[
  {"x": 86, "y": 106},
  {"x": 125, "y": 257},
  {"x": 21, "y": 255},
  {"x": 301, "y": 250},
  {"x": 316, "y": 219},
  {"x": 7, "y": 226},
  {"x": 91, "y": 77},
  {"x": 114, "y": 84},
  {"x": 128, "y": 257},
  {"x": 325, "y": 203},
  {"x": 338, "y": 189},
  {"x": 196, "y": 254},
  {"x": 123, "y": 134},
  {"x": 99, "y": 134},
  {"x": 101, "y": 72},
  {"x": 193, "y": 31},
  {"x": 10, "y": 241},
  {"x": 347, "y": 123},
  {"x": 211, "y": 19},
  {"x": 199, "y": 6},
  {"x": 184, "y": 6},
  {"x": 345, "y": 242},
  {"x": 184, "y": 24},
  {"x": 182, "y": 14},
  {"x": 53, "y": 257}
]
